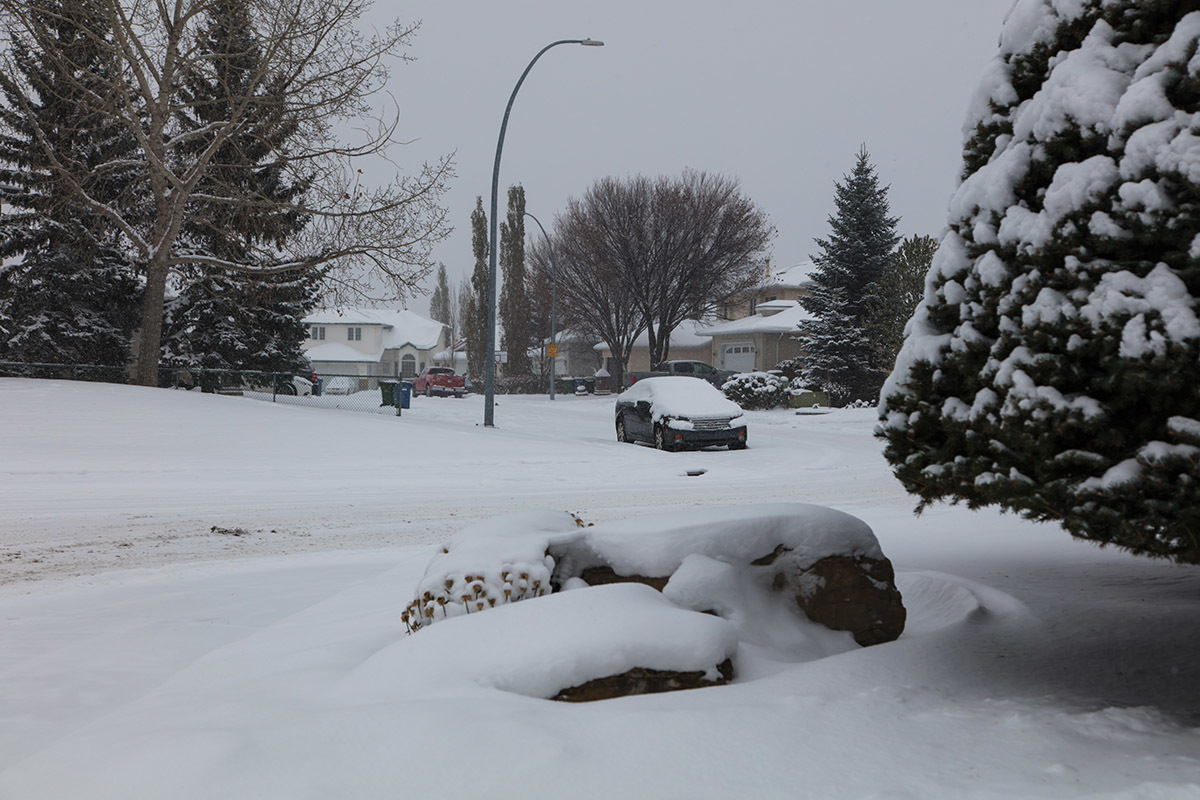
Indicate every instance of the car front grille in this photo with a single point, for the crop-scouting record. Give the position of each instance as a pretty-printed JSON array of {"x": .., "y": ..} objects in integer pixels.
[{"x": 711, "y": 423}]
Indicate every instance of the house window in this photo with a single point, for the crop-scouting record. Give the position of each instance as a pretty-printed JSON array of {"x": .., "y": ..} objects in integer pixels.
[
  {"x": 317, "y": 332},
  {"x": 354, "y": 334},
  {"x": 408, "y": 366}
]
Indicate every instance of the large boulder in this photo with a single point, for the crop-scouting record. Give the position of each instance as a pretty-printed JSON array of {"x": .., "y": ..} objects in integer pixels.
[
  {"x": 847, "y": 593},
  {"x": 827, "y": 562}
]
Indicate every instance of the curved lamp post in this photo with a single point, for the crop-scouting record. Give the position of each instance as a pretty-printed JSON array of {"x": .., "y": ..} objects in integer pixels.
[
  {"x": 489, "y": 368},
  {"x": 553, "y": 300}
]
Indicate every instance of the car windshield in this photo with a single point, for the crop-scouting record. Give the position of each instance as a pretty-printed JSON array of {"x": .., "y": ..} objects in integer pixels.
[
  {"x": 441, "y": 371},
  {"x": 678, "y": 396}
]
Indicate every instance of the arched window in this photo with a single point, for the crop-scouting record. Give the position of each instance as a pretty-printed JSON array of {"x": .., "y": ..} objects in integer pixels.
[{"x": 408, "y": 366}]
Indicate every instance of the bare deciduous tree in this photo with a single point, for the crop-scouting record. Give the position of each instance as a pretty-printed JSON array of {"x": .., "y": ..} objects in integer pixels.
[
  {"x": 592, "y": 297},
  {"x": 676, "y": 247},
  {"x": 323, "y": 75}
]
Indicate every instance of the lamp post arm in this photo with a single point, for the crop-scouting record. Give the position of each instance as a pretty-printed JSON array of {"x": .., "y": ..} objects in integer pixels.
[
  {"x": 489, "y": 368},
  {"x": 553, "y": 297}
]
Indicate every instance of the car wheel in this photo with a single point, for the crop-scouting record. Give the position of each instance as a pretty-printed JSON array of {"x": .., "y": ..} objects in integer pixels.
[
  {"x": 622, "y": 434},
  {"x": 660, "y": 439},
  {"x": 738, "y": 445},
  {"x": 287, "y": 388}
]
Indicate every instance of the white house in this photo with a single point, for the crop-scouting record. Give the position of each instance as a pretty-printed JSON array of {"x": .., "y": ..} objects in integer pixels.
[
  {"x": 759, "y": 341},
  {"x": 372, "y": 342}
]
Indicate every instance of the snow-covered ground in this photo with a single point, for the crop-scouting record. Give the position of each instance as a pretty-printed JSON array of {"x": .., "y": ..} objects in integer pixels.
[{"x": 200, "y": 597}]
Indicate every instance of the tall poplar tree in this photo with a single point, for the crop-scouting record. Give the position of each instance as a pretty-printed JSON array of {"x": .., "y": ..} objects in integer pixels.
[
  {"x": 70, "y": 293},
  {"x": 475, "y": 321},
  {"x": 441, "y": 298},
  {"x": 853, "y": 258},
  {"x": 514, "y": 295}
]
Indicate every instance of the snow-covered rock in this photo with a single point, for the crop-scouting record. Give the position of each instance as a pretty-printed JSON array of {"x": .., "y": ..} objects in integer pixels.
[{"x": 828, "y": 563}]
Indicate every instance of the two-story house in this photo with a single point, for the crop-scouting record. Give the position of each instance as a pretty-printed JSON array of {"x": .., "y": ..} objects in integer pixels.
[
  {"x": 372, "y": 342},
  {"x": 791, "y": 283}
]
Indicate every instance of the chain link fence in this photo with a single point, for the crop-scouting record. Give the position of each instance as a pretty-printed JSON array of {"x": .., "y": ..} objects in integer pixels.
[{"x": 379, "y": 394}]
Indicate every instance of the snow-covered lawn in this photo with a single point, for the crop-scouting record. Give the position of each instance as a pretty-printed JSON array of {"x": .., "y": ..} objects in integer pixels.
[{"x": 200, "y": 597}]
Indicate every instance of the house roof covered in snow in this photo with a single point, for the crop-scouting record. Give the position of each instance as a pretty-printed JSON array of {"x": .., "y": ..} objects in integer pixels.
[
  {"x": 684, "y": 335},
  {"x": 776, "y": 316},
  {"x": 400, "y": 326}
]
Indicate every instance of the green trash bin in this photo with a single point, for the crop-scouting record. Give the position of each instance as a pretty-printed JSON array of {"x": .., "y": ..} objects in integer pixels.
[{"x": 390, "y": 391}]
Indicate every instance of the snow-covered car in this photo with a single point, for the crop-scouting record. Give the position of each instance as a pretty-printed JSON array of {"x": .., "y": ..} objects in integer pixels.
[
  {"x": 339, "y": 384},
  {"x": 673, "y": 412}
]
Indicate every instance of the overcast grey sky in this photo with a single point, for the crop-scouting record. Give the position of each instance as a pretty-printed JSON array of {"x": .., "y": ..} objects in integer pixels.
[{"x": 777, "y": 93}]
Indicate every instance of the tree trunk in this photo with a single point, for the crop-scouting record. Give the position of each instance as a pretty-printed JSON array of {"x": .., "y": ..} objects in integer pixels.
[{"x": 150, "y": 341}]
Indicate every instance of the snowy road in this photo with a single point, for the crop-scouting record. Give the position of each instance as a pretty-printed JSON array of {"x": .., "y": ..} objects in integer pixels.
[{"x": 149, "y": 487}]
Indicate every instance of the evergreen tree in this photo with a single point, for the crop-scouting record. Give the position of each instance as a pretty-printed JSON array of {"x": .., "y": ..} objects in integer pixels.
[
  {"x": 1053, "y": 368},
  {"x": 857, "y": 253},
  {"x": 71, "y": 294},
  {"x": 896, "y": 295},
  {"x": 475, "y": 318},
  {"x": 514, "y": 296},
  {"x": 225, "y": 318},
  {"x": 830, "y": 363}
]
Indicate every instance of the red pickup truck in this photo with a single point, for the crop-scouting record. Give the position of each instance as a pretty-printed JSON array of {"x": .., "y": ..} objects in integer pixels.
[{"x": 439, "y": 380}]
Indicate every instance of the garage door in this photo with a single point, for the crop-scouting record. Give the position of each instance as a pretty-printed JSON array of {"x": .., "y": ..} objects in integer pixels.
[{"x": 738, "y": 357}]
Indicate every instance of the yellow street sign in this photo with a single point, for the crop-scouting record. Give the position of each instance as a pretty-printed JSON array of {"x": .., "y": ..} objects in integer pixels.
[{"x": 551, "y": 351}]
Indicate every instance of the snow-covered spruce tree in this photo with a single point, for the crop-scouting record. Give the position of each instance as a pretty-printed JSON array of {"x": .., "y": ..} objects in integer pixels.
[
  {"x": 1053, "y": 367},
  {"x": 859, "y": 249},
  {"x": 71, "y": 293},
  {"x": 514, "y": 295},
  {"x": 225, "y": 318},
  {"x": 832, "y": 360}
]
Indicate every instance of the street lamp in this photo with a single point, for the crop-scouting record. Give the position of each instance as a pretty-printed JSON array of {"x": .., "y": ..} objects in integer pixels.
[
  {"x": 489, "y": 368},
  {"x": 553, "y": 301}
]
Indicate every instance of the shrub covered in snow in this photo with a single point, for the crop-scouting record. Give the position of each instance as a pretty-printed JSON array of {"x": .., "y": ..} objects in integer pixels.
[
  {"x": 757, "y": 390},
  {"x": 1053, "y": 367}
]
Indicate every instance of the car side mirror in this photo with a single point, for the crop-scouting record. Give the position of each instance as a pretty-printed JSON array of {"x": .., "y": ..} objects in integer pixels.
[{"x": 643, "y": 405}]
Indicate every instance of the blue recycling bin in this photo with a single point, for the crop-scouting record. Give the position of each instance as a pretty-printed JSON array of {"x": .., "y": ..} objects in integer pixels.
[{"x": 406, "y": 388}]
